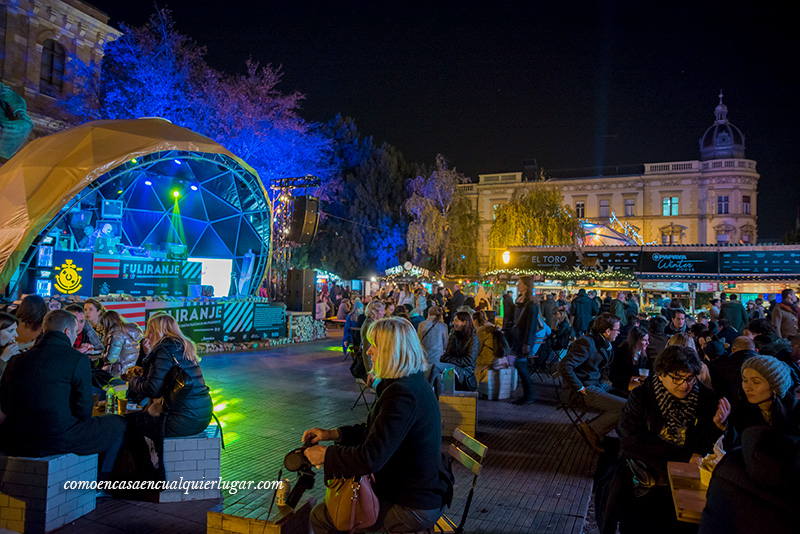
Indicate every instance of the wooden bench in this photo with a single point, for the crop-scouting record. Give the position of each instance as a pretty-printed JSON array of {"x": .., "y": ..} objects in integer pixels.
[
  {"x": 32, "y": 494},
  {"x": 250, "y": 512},
  {"x": 192, "y": 458}
]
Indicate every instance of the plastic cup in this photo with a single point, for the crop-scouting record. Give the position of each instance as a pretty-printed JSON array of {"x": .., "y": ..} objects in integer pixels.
[{"x": 644, "y": 373}]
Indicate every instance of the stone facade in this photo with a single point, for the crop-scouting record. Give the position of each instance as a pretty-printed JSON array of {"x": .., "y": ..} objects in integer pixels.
[
  {"x": 37, "y": 36},
  {"x": 706, "y": 201}
]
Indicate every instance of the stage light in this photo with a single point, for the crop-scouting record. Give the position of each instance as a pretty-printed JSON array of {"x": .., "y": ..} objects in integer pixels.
[
  {"x": 133, "y": 160},
  {"x": 148, "y": 182},
  {"x": 176, "y": 193},
  {"x": 193, "y": 187},
  {"x": 119, "y": 191},
  {"x": 179, "y": 162}
]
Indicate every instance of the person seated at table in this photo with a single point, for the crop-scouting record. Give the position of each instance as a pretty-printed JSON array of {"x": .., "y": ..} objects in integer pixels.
[
  {"x": 461, "y": 354},
  {"x": 658, "y": 339},
  {"x": 562, "y": 332},
  {"x": 30, "y": 315},
  {"x": 94, "y": 311},
  {"x": 87, "y": 340},
  {"x": 348, "y": 338},
  {"x": 677, "y": 323},
  {"x": 8, "y": 339},
  {"x": 755, "y": 486},
  {"x": 164, "y": 346},
  {"x": 432, "y": 333},
  {"x": 46, "y": 394},
  {"x": 670, "y": 417},
  {"x": 766, "y": 337},
  {"x": 121, "y": 342},
  {"x": 726, "y": 371},
  {"x": 400, "y": 444},
  {"x": 766, "y": 382},
  {"x": 630, "y": 356},
  {"x": 343, "y": 310},
  {"x": 486, "y": 348}
]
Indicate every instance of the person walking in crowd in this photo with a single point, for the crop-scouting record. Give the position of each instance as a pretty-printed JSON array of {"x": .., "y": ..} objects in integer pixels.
[
  {"x": 30, "y": 315},
  {"x": 400, "y": 444},
  {"x": 713, "y": 310},
  {"x": 461, "y": 353},
  {"x": 584, "y": 310},
  {"x": 46, "y": 395},
  {"x": 121, "y": 342},
  {"x": 733, "y": 311},
  {"x": 629, "y": 357},
  {"x": 582, "y": 371},
  {"x": 668, "y": 418},
  {"x": 87, "y": 340},
  {"x": 523, "y": 336},
  {"x": 163, "y": 347},
  {"x": 94, "y": 310},
  {"x": 8, "y": 339},
  {"x": 785, "y": 315},
  {"x": 508, "y": 312},
  {"x": 548, "y": 309},
  {"x": 618, "y": 308}
]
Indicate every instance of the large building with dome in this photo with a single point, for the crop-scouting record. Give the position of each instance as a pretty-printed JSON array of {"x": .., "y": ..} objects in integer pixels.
[{"x": 705, "y": 201}]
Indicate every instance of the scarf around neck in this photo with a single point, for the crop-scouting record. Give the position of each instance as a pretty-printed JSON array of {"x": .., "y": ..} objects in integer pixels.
[{"x": 679, "y": 414}]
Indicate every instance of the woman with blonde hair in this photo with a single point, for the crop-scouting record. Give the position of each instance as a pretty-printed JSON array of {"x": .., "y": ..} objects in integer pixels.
[
  {"x": 400, "y": 444},
  {"x": 375, "y": 310},
  {"x": 121, "y": 342},
  {"x": 165, "y": 346}
]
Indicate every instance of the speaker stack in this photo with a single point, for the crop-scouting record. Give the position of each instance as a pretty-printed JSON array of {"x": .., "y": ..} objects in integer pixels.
[
  {"x": 305, "y": 219},
  {"x": 300, "y": 290}
]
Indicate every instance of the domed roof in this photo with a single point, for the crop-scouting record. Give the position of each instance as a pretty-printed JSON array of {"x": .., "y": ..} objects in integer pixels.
[{"x": 723, "y": 139}]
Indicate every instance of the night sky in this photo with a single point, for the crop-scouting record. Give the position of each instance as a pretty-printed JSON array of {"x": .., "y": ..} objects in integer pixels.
[{"x": 490, "y": 84}]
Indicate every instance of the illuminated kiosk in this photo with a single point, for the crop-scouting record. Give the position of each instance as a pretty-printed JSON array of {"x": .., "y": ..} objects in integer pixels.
[{"x": 141, "y": 189}]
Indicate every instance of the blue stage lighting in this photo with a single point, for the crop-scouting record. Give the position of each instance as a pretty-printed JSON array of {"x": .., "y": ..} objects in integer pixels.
[
  {"x": 179, "y": 162},
  {"x": 148, "y": 182},
  {"x": 193, "y": 187}
]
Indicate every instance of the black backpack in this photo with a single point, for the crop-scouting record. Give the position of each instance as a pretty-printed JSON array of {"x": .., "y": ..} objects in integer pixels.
[{"x": 501, "y": 346}]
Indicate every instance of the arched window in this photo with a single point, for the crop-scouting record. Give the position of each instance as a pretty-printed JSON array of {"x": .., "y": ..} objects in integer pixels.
[{"x": 51, "y": 79}]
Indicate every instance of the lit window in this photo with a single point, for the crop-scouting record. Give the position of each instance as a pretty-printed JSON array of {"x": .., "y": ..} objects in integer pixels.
[
  {"x": 495, "y": 209},
  {"x": 51, "y": 77},
  {"x": 630, "y": 206},
  {"x": 722, "y": 205},
  {"x": 670, "y": 206},
  {"x": 580, "y": 210},
  {"x": 746, "y": 205},
  {"x": 604, "y": 208},
  {"x": 723, "y": 238}
]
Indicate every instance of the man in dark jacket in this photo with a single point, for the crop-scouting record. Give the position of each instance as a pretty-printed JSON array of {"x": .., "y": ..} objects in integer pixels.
[
  {"x": 677, "y": 323},
  {"x": 726, "y": 371},
  {"x": 548, "y": 310},
  {"x": 583, "y": 309},
  {"x": 582, "y": 371},
  {"x": 46, "y": 394},
  {"x": 618, "y": 308},
  {"x": 734, "y": 312}
]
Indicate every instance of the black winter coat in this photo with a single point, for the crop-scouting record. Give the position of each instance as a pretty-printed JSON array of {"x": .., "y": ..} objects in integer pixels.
[
  {"x": 462, "y": 351},
  {"x": 726, "y": 376},
  {"x": 526, "y": 324},
  {"x": 194, "y": 414},
  {"x": 585, "y": 362},
  {"x": 584, "y": 309},
  {"x": 400, "y": 443},
  {"x": 46, "y": 394},
  {"x": 641, "y": 422},
  {"x": 785, "y": 419}
]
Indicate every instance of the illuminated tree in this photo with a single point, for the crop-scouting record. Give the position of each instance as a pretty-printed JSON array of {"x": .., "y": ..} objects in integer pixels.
[
  {"x": 534, "y": 216},
  {"x": 444, "y": 224}
]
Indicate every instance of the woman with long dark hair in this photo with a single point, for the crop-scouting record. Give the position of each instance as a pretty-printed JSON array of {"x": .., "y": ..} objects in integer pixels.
[
  {"x": 523, "y": 335},
  {"x": 629, "y": 357},
  {"x": 461, "y": 353}
]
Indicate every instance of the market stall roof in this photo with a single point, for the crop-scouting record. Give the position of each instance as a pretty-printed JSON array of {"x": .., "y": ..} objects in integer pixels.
[{"x": 47, "y": 173}]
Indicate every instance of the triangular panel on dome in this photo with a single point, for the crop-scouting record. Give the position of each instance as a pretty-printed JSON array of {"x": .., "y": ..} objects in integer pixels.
[
  {"x": 248, "y": 240},
  {"x": 224, "y": 187},
  {"x": 228, "y": 229},
  {"x": 217, "y": 208},
  {"x": 210, "y": 246},
  {"x": 141, "y": 196},
  {"x": 163, "y": 233},
  {"x": 192, "y": 230},
  {"x": 191, "y": 205},
  {"x": 138, "y": 224}
]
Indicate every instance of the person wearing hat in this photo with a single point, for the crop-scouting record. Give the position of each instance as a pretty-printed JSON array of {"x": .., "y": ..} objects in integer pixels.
[{"x": 766, "y": 382}]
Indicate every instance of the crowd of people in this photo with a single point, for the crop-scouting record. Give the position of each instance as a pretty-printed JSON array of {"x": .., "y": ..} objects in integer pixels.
[{"x": 56, "y": 367}]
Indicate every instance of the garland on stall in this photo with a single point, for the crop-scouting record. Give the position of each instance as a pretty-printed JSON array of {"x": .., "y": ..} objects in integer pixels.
[{"x": 576, "y": 274}]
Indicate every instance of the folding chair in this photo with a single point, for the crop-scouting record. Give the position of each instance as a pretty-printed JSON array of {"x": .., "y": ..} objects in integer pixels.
[
  {"x": 574, "y": 407},
  {"x": 470, "y": 453},
  {"x": 364, "y": 389}
]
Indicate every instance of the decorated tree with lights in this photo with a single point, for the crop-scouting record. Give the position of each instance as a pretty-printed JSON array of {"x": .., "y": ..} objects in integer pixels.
[
  {"x": 535, "y": 216},
  {"x": 444, "y": 224}
]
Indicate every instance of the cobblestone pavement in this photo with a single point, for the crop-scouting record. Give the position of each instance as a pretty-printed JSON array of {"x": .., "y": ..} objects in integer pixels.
[{"x": 537, "y": 474}]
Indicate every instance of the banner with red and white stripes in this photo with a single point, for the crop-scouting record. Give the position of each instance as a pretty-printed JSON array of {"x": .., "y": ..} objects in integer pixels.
[{"x": 131, "y": 311}]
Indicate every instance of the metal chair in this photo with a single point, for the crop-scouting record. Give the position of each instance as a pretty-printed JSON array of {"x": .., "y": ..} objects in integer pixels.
[{"x": 574, "y": 406}]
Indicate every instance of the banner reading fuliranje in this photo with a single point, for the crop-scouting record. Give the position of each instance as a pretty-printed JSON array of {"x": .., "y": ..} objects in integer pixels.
[
  {"x": 198, "y": 323},
  {"x": 143, "y": 276}
]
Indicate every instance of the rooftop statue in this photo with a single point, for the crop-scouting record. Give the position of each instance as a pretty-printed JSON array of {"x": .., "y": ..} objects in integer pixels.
[{"x": 15, "y": 124}]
